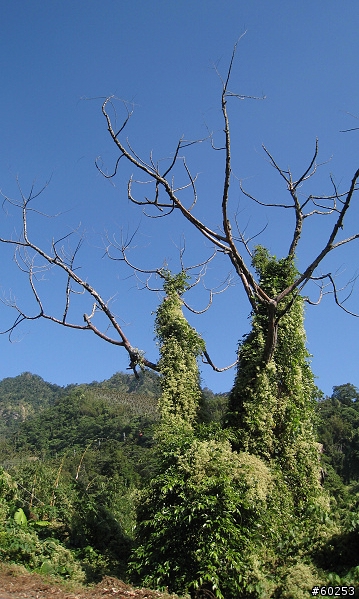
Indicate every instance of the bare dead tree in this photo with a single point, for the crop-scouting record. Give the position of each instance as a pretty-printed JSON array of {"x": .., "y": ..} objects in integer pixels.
[{"x": 166, "y": 198}]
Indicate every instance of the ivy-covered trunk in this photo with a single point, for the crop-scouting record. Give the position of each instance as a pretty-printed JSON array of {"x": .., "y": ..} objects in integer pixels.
[
  {"x": 271, "y": 406},
  {"x": 230, "y": 509},
  {"x": 180, "y": 345}
]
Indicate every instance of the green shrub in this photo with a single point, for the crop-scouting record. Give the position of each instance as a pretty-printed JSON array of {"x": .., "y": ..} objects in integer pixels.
[
  {"x": 299, "y": 580},
  {"x": 200, "y": 522},
  {"x": 21, "y": 545}
]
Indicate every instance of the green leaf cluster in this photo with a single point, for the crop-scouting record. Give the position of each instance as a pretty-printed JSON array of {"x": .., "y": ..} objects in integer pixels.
[
  {"x": 339, "y": 434},
  {"x": 201, "y": 523},
  {"x": 180, "y": 345},
  {"x": 272, "y": 406},
  {"x": 22, "y": 397}
]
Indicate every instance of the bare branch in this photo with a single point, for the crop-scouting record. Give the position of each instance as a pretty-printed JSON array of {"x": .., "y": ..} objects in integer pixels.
[
  {"x": 309, "y": 172},
  {"x": 173, "y": 189},
  {"x": 113, "y": 174},
  {"x": 66, "y": 264},
  {"x": 347, "y": 130},
  {"x": 334, "y": 291},
  {"x": 353, "y": 128},
  {"x": 267, "y": 204},
  {"x": 331, "y": 244},
  {"x": 209, "y": 361}
]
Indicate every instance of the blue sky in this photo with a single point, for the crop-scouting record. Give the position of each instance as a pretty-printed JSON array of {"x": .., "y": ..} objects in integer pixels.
[{"x": 60, "y": 58}]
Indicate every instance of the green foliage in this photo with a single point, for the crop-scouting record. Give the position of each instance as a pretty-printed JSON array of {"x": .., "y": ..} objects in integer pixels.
[
  {"x": 180, "y": 345},
  {"x": 28, "y": 398},
  {"x": 338, "y": 417},
  {"x": 271, "y": 406},
  {"x": 213, "y": 406},
  {"x": 83, "y": 416},
  {"x": 8, "y": 488},
  {"x": 146, "y": 384},
  {"x": 8, "y": 496},
  {"x": 202, "y": 520},
  {"x": 98, "y": 530},
  {"x": 20, "y": 517},
  {"x": 20, "y": 542},
  {"x": 338, "y": 432},
  {"x": 298, "y": 581},
  {"x": 23, "y": 396},
  {"x": 21, "y": 545},
  {"x": 77, "y": 466},
  {"x": 220, "y": 520},
  {"x": 346, "y": 394},
  {"x": 86, "y": 498}
]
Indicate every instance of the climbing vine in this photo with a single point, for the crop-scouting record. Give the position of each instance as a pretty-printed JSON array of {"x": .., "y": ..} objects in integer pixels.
[
  {"x": 271, "y": 406},
  {"x": 230, "y": 511},
  {"x": 180, "y": 345}
]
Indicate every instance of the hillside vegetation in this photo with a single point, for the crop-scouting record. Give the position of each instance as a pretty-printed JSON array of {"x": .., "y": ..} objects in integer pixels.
[{"x": 76, "y": 461}]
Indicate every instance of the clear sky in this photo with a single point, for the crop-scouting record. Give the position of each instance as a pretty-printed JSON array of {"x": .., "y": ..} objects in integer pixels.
[{"x": 59, "y": 58}]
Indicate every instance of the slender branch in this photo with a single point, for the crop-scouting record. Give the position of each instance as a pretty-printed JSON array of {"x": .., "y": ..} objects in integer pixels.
[
  {"x": 67, "y": 265},
  {"x": 330, "y": 245},
  {"x": 209, "y": 361},
  {"x": 334, "y": 291}
]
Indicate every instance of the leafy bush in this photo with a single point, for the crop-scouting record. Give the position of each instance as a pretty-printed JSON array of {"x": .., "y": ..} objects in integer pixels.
[
  {"x": 200, "y": 522},
  {"x": 20, "y": 544},
  {"x": 298, "y": 581}
]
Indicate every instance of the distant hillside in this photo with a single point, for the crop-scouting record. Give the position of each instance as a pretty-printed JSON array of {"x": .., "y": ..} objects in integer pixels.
[
  {"x": 28, "y": 395},
  {"x": 39, "y": 416},
  {"x": 147, "y": 383},
  {"x": 24, "y": 396}
]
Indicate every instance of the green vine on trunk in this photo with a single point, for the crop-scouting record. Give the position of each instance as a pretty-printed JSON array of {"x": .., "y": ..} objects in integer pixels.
[
  {"x": 271, "y": 406},
  {"x": 180, "y": 346},
  {"x": 221, "y": 516}
]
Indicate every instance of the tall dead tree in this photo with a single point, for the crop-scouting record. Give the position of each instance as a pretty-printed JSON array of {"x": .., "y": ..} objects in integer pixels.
[{"x": 166, "y": 199}]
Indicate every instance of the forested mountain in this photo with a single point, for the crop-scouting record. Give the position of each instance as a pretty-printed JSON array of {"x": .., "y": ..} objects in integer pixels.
[
  {"x": 44, "y": 416},
  {"x": 147, "y": 383},
  {"x": 338, "y": 431},
  {"x": 28, "y": 395},
  {"x": 24, "y": 396}
]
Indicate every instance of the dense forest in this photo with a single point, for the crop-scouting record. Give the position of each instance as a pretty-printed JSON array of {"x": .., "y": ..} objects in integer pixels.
[{"x": 76, "y": 461}]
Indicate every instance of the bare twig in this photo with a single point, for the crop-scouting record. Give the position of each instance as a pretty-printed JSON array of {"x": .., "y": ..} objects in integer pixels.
[{"x": 59, "y": 259}]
